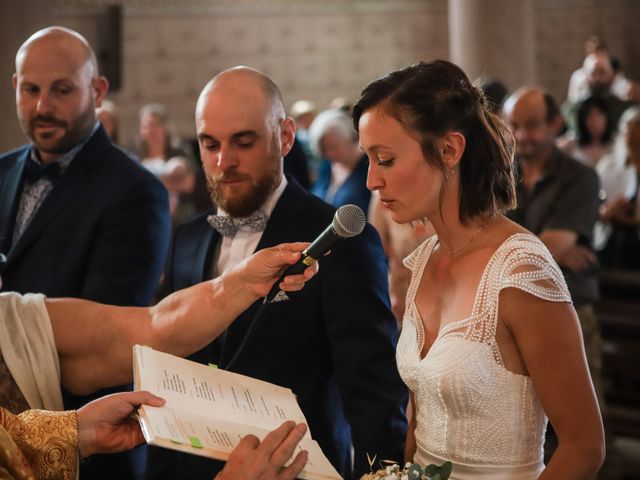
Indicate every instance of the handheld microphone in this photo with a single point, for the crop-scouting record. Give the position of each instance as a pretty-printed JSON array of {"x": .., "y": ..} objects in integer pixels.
[{"x": 348, "y": 221}]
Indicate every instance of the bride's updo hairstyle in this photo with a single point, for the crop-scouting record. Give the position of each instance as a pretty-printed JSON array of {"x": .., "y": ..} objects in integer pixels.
[{"x": 432, "y": 98}]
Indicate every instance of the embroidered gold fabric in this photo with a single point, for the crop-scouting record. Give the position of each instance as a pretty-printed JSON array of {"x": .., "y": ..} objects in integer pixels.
[
  {"x": 47, "y": 445},
  {"x": 11, "y": 397}
]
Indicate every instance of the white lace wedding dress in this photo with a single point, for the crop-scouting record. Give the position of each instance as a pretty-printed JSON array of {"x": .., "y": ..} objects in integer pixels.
[{"x": 470, "y": 409}]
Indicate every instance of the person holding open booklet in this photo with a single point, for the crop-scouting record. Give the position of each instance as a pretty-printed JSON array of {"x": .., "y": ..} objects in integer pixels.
[{"x": 87, "y": 346}]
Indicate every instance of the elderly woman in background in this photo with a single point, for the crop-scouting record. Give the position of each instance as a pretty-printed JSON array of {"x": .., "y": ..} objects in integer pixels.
[
  {"x": 342, "y": 177},
  {"x": 161, "y": 152}
]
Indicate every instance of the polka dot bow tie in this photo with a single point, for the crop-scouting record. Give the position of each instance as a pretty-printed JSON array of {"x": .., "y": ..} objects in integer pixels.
[{"x": 229, "y": 226}]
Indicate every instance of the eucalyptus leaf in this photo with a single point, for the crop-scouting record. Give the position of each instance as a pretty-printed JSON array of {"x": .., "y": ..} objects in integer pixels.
[
  {"x": 415, "y": 472},
  {"x": 431, "y": 470},
  {"x": 445, "y": 470}
]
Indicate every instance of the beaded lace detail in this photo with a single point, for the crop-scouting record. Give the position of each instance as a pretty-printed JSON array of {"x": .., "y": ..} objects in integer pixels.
[{"x": 469, "y": 407}]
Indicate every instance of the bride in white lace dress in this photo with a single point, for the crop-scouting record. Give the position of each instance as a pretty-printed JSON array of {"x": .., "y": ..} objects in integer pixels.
[{"x": 490, "y": 345}]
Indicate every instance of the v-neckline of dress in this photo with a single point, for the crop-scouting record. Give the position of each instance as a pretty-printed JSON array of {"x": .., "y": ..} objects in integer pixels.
[{"x": 444, "y": 329}]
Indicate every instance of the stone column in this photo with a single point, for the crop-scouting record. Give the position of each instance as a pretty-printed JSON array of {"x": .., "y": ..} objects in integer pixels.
[{"x": 494, "y": 38}]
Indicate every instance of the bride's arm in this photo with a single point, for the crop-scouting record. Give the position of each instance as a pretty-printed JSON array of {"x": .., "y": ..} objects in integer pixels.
[
  {"x": 410, "y": 444},
  {"x": 549, "y": 340}
]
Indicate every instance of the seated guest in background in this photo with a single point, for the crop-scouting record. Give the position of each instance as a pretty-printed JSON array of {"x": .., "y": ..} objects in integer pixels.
[
  {"x": 333, "y": 344},
  {"x": 591, "y": 76},
  {"x": 622, "y": 211},
  {"x": 342, "y": 176},
  {"x": 599, "y": 81},
  {"x": 78, "y": 216},
  {"x": 107, "y": 115},
  {"x": 162, "y": 153},
  {"x": 87, "y": 346},
  {"x": 490, "y": 346},
  {"x": 558, "y": 201},
  {"x": 594, "y": 134}
]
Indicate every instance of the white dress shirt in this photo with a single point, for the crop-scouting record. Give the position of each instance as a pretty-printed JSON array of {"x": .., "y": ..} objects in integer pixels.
[{"x": 234, "y": 250}]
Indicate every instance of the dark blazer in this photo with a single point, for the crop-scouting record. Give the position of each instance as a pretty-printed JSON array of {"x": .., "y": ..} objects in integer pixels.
[
  {"x": 353, "y": 190},
  {"x": 102, "y": 233},
  {"x": 333, "y": 343}
]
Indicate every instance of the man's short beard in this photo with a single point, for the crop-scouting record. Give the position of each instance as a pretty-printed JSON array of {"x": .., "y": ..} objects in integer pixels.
[
  {"x": 254, "y": 200},
  {"x": 74, "y": 134}
]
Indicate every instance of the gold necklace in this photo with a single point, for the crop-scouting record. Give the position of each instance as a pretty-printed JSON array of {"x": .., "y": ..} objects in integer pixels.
[{"x": 451, "y": 253}]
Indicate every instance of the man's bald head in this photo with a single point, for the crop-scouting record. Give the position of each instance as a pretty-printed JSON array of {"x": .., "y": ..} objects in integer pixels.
[
  {"x": 57, "y": 90},
  {"x": 243, "y": 134},
  {"x": 534, "y": 119},
  {"x": 62, "y": 39},
  {"x": 599, "y": 70},
  {"x": 249, "y": 85},
  {"x": 532, "y": 98}
]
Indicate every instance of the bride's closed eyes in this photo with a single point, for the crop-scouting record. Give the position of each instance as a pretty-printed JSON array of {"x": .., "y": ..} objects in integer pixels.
[{"x": 385, "y": 162}]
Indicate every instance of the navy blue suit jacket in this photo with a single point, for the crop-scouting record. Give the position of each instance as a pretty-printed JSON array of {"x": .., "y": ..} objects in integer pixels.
[
  {"x": 102, "y": 233},
  {"x": 333, "y": 343}
]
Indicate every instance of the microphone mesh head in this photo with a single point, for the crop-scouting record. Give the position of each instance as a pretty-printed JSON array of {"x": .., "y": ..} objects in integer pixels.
[{"x": 348, "y": 221}]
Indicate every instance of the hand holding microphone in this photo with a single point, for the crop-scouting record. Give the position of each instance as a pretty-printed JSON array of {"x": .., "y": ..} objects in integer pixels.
[{"x": 348, "y": 221}]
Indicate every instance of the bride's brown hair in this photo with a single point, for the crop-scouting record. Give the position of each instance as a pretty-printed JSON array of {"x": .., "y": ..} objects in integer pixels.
[{"x": 432, "y": 98}]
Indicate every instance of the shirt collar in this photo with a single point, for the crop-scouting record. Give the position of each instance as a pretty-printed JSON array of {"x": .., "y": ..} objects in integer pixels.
[{"x": 550, "y": 169}]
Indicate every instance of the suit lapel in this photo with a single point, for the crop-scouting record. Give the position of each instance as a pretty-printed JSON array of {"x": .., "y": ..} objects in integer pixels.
[
  {"x": 70, "y": 183},
  {"x": 8, "y": 197},
  {"x": 282, "y": 225},
  {"x": 204, "y": 251}
]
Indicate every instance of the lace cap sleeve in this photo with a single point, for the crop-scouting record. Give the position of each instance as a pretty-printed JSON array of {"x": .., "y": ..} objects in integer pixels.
[
  {"x": 529, "y": 266},
  {"x": 412, "y": 261}
]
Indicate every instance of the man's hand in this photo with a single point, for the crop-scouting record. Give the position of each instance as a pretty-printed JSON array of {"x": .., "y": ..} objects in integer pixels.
[
  {"x": 616, "y": 210},
  {"x": 578, "y": 258},
  {"x": 261, "y": 270},
  {"x": 253, "y": 460},
  {"x": 106, "y": 425}
]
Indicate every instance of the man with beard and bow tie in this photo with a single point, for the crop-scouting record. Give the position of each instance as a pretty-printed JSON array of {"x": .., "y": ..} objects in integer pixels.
[
  {"x": 78, "y": 216},
  {"x": 332, "y": 344}
]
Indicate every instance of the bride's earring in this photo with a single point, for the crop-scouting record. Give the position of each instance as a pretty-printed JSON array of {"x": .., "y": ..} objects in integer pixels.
[{"x": 449, "y": 173}]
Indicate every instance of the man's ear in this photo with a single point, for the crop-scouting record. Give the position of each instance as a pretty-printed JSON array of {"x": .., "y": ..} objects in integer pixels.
[
  {"x": 100, "y": 86},
  {"x": 287, "y": 134},
  {"x": 452, "y": 145},
  {"x": 14, "y": 81}
]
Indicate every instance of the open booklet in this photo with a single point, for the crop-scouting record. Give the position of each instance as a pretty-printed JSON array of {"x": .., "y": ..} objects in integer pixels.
[{"x": 208, "y": 411}]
